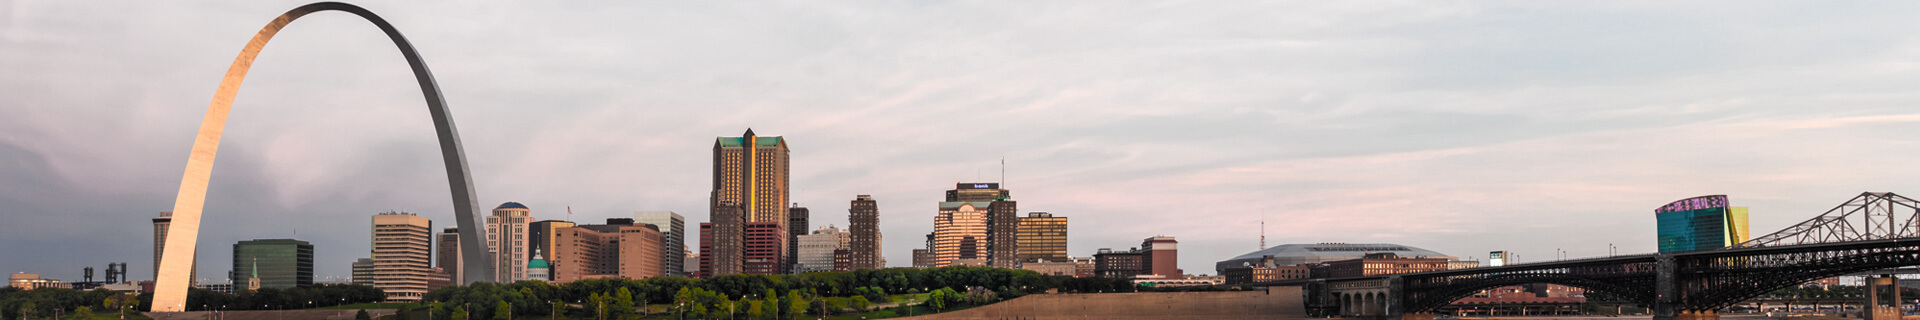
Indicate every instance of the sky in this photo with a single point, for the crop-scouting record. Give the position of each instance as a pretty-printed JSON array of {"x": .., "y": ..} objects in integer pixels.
[{"x": 1459, "y": 127}]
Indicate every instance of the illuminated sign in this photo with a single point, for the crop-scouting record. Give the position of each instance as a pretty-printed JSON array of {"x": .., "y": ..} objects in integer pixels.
[
  {"x": 982, "y": 186},
  {"x": 1497, "y": 258}
]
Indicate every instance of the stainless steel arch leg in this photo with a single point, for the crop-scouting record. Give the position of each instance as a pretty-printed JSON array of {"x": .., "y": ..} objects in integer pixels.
[{"x": 170, "y": 289}]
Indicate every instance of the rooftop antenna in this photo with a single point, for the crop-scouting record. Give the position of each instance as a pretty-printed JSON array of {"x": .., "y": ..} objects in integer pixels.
[{"x": 1003, "y": 172}]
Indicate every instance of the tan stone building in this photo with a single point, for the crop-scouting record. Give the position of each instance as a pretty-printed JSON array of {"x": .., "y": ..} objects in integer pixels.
[
  {"x": 507, "y": 241},
  {"x": 402, "y": 255},
  {"x": 628, "y": 250}
]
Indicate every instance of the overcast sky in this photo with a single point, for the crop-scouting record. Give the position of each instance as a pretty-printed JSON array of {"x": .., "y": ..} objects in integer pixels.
[{"x": 1460, "y": 127}]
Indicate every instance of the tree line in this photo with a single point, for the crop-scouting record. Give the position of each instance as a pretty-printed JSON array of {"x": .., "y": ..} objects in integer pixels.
[{"x": 752, "y": 295}]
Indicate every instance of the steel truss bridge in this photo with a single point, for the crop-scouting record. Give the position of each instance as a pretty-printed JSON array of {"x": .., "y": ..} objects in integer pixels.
[{"x": 1873, "y": 231}]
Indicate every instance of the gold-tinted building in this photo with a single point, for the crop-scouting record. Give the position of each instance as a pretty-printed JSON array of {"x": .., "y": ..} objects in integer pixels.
[
  {"x": 1043, "y": 237},
  {"x": 752, "y": 171},
  {"x": 750, "y": 177}
]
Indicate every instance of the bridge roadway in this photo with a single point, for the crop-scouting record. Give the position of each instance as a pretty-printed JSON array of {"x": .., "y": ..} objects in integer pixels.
[{"x": 1681, "y": 285}]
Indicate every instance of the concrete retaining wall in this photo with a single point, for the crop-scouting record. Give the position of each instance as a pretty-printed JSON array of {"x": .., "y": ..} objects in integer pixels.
[{"x": 1272, "y": 303}]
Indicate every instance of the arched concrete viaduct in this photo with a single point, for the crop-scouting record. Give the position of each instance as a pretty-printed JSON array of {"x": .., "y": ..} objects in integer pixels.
[{"x": 170, "y": 288}]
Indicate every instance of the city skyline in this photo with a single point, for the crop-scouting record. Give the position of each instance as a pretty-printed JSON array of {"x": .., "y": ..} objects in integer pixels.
[{"x": 1334, "y": 125}]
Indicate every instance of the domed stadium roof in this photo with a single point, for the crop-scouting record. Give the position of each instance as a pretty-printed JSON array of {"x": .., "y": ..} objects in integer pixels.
[
  {"x": 510, "y": 205},
  {"x": 1293, "y": 254}
]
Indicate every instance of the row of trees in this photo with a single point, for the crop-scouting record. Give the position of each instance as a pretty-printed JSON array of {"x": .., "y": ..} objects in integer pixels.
[
  {"x": 45, "y": 303},
  {"x": 42, "y": 303},
  {"x": 321, "y": 295},
  {"x": 740, "y": 294}
]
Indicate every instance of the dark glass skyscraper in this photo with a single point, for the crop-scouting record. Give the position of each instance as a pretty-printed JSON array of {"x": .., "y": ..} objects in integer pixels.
[
  {"x": 797, "y": 224},
  {"x": 279, "y": 263}
]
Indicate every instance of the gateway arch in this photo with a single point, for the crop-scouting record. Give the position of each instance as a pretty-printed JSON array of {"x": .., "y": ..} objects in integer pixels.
[{"x": 170, "y": 288}]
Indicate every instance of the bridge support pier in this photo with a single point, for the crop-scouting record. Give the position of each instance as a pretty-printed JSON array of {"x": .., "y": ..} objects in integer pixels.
[
  {"x": 1665, "y": 293},
  {"x": 1873, "y": 309}
]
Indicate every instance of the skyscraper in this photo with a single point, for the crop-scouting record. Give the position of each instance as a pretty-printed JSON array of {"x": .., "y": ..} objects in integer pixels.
[
  {"x": 280, "y": 263},
  {"x": 507, "y": 241},
  {"x": 751, "y": 171},
  {"x": 402, "y": 255},
  {"x": 160, "y": 226},
  {"x": 1003, "y": 230},
  {"x": 977, "y": 225},
  {"x": 960, "y": 234},
  {"x": 863, "y": 226},
  {"x": 796, "y": 226},
  {"x": 1700, "y": 223},
  {"x": 1043, "y": 237},
  {"x": 447, "y": 254},
  {"x": 673, "y": 229},
  {"x": 723, "y": 241},
  {"x": 540, "y": 237},
  {"x": 749, "y": 187}
]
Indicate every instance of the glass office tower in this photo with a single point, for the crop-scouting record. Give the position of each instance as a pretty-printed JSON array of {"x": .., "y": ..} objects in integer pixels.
[{"x": 1701, "y": 223}]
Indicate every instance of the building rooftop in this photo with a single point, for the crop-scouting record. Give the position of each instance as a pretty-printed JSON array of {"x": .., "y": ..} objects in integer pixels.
[
  {"x": 511, "y": 205},
  {"x": 734, "y": 142},
  {"x": 956, "y": 204}
]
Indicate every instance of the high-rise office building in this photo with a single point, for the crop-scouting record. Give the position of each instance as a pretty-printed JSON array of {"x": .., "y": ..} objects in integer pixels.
[
  {"x": 1043, "y": 236},
  {"x": 977, "y": 225},
  {"x": 750, "y": 181},
  {"x": 765, "y": 244},
  {"x": 447, "y": 254},
  {"x": 1160, "y": 255},
  {"x": 1700, "y": 223},
  {"x": 673, "y": 230},
  {"x": 507, "y": 241},
  {"x": 540, "y": 236},
  {"x": 816, "y": 249},
  {"x": 797, "y": 225},
  {"x": 960, "y": 233},
  {"x": 1003, "y": 230},
  {"x": 863, "y": 228},
  {"x": 751, "y": 170},
  {"x": 362, "y": 272},
  {"x": 402, "y": 255},
  {"x": 160, "y": 226},
  {"x": 723, "y": 241},
  {"x": 619, "y": 248},
  {"x": 280, "y": 263}
]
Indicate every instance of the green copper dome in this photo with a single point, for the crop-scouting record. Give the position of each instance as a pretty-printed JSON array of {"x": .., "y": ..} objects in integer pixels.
[{"x": 537, "y": 263}]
